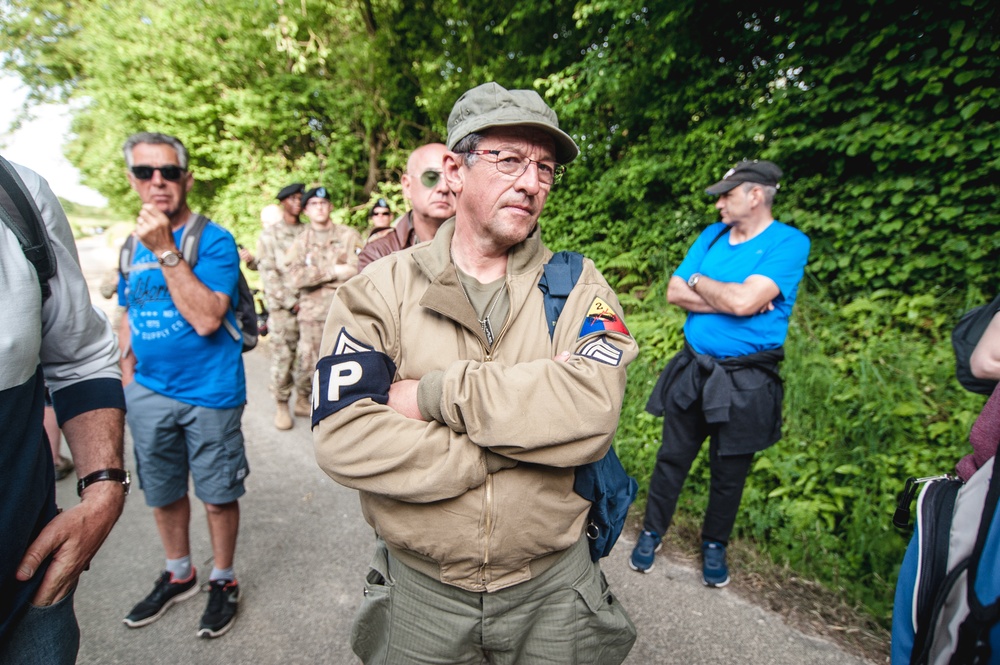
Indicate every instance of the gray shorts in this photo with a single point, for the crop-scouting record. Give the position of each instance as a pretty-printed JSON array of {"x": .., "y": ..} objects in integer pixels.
[
  {"x": 566, "y": 616},
  {"x": 172, "y": 439}
]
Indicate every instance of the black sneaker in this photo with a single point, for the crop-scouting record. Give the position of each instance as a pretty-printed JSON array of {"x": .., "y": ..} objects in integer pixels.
[
  {"x": 166, "y": 592},
  {"x": 223, "y": 601}
]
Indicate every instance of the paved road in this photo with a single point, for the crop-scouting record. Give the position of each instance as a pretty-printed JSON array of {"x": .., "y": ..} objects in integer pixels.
[{"x": 304, "y": 549}]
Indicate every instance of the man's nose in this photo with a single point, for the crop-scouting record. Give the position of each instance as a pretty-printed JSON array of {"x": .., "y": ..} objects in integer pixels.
[{"x": 528, "y": 181}]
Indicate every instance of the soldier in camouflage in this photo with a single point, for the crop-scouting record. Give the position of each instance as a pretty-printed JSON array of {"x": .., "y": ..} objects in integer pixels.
[
  {"x": 321, "y": 258},
  {"x": 282, "y": 298}
]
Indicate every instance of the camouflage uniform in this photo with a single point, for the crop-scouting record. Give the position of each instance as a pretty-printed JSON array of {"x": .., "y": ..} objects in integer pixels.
[
  {"x": 311, "y": 260},
  {"x": 283, "y": 328}
]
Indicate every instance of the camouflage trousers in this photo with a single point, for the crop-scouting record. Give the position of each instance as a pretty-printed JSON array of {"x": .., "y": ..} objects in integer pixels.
[
  {"x": 283, "y": 333},
  {"x": 307, "y": 355}
]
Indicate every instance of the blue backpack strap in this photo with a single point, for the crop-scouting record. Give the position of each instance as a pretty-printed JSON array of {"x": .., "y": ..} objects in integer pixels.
[
  {"x": 604, "y": 483},
  {"x": 559, "y": 277}
]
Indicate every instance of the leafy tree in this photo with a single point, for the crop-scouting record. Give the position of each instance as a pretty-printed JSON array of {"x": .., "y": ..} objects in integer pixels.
[{"x": 883, "y": 116}]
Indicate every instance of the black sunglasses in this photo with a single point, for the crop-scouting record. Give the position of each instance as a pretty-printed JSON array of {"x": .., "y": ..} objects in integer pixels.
[{"x": 169, "y": 172}]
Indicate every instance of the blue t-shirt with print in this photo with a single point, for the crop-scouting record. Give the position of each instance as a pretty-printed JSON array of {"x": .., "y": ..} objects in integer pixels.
[
  {"x": 779, "y": 253},
  {"x": 172, "y": 359}
]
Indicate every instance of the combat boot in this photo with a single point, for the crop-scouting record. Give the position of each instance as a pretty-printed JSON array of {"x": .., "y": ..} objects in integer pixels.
[
  {"x": 282, "y": 418},
  {"x": 302, "y": 406}
]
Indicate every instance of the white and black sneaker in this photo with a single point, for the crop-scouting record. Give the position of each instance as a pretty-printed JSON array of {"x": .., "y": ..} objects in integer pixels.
[
  {"x": 223, "y": 601},
  {"x": 166, "y": 592}
]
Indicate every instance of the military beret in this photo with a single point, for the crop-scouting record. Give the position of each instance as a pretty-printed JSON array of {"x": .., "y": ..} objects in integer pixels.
[
  {"x": 288, "y": 190},
  {"x": 315, "y": 193}
]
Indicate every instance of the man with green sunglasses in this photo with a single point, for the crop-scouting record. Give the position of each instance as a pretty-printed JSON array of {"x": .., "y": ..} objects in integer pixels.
[{"x": 431, "y": 205}]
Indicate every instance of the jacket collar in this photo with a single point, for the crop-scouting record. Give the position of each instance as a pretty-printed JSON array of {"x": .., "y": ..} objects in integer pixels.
[
  {"x": 445, "y": 294},
  {"x": 404, "y": 229}
]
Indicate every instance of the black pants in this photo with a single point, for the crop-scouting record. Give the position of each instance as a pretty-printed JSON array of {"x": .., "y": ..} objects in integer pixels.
[{"x": 683, "y": 435}]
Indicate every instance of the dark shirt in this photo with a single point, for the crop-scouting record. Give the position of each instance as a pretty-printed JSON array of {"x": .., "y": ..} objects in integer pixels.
[
  {"x": 402, "y": 236},
  {"x": 739, "y": 397}
]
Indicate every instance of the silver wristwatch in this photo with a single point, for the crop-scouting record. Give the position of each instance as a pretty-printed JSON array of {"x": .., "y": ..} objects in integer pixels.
[
  {"x": 693, "y": 279},
  {"x": 169, "y": 258}
]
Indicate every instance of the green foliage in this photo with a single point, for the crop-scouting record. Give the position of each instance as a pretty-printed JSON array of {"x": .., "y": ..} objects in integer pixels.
[
  {"x": 870, "y": 399},
  {"x": 883, "y": 115}
]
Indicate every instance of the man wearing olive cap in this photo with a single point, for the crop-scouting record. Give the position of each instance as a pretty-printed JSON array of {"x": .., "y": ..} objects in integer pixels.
[
  {"x": 282, "y": 297},
  {"x": 738, "y": 283},
  {"x": 320, "y": 260},
  {"x": 441, "y": 396}
]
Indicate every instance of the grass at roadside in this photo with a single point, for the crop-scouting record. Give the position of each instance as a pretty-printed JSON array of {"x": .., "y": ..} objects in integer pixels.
[
  {"x": 870, "y": 399},
  {"x": 803, "y": 603}
]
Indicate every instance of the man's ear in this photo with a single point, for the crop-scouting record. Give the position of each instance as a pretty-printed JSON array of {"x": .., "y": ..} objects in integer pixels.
[
  {"x": 452, "y": 172},
  {"x": 405, "y": 182}
]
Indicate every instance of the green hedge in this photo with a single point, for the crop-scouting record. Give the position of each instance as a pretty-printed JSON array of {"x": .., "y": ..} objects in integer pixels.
[{"x": 870, "y": 399}]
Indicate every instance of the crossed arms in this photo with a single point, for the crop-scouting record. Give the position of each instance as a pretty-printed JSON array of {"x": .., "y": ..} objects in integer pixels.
[{"x": 755, "y": 295}]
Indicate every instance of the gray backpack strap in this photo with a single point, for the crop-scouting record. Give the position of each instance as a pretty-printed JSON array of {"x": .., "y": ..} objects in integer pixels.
[
  {"x": 19, "y": 212},
  {"x": 190, "y": 242},
  {"x": 125, "y": 256},
  {"x": 191, "y": 239}
]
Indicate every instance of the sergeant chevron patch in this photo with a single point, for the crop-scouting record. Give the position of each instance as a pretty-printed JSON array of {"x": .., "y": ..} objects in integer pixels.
[
  {"x": 347, "y": 344},
  {"x": 601, "y": 350}
]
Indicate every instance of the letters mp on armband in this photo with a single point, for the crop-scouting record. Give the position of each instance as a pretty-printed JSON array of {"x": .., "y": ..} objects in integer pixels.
[{"x": 354, "y": 371}]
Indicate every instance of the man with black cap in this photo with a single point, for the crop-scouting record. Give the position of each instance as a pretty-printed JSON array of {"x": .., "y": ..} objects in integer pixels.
[
  {"x": 443, "y": 398},
  {"x": 738, "y": 282},
  {"x": 282, "y": 298},
  {"x": 324, "y": 256},
  {"x": 431, "y": 204},
  {"x": 380, "y": 218}
]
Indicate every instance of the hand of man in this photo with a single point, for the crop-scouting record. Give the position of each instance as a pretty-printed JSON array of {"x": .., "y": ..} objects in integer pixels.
[
  {"x": 72, "y": 538},
  {"x": 153, "y": 230},
  {"x": 403, "y": 398},
  {"x": 246, "y": 256}
]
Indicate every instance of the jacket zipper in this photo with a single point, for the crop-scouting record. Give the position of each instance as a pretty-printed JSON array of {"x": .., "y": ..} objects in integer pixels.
[
  {"x": 489, "y": 530},
  {"x": 489, "y": 478}
]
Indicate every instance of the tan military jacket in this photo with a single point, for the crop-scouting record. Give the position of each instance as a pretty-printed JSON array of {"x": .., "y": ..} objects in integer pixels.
[
  {"x": 311, "y": 260},
  {"x": 482, "y": 498},
  {"x": 273, "y": 266}
]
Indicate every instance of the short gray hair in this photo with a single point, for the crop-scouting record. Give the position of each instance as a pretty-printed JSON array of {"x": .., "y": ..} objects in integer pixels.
[
  {"x": 155, "y": 138},
  {"x": 467, "y": 143},
  {"x": 769, "y": 191}
]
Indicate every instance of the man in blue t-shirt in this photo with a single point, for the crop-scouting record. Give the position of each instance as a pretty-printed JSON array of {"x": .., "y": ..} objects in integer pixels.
[
  {"x": 738, "y": 283},
  {"x": 186, "y": 400}
]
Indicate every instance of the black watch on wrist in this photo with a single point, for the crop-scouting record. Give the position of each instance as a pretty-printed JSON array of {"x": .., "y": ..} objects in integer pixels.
[{"x": 116, "y": 475}]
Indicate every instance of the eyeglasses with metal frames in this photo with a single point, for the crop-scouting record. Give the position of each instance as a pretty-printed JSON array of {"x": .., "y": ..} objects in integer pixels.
[{"x": 514, "y": 164}]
